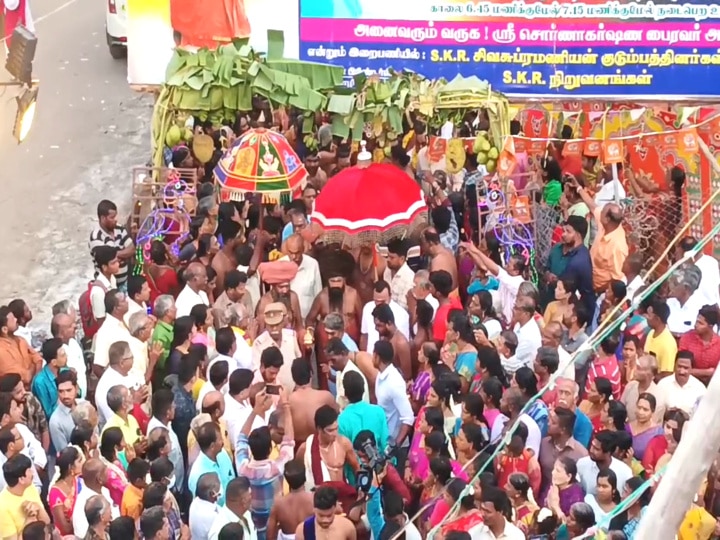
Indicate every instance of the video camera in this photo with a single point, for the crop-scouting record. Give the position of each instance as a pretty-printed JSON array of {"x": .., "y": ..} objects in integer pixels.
[{"x": 376, "y": 463}]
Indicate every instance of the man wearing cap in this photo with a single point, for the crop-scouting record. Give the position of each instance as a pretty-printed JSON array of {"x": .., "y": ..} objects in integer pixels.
[
  {"x": 279, "y": 275},
  {"x": 276, "y": 334}
]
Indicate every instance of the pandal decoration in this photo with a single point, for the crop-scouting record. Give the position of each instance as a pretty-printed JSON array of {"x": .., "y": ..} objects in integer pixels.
[
  {"x": 514, "y": 236},
  {"x": 171, "y": 221}
]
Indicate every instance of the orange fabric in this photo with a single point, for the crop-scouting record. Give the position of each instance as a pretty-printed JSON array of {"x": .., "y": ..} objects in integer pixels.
[
  {"x": 608, "y": 252},
  {"x": 132, "y": 504},
  {"x": 205, "y": 24},
  {"x": 17, "y": 357}
]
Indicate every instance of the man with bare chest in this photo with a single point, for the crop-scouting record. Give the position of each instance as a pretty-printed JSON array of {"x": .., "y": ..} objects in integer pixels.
[
  {"x": 441, "y": 258},
  {"x": 367, "y": 271},
  {"x": 305, "y": 400},
  {"x": 316, "y": 176},
  {"x": 326, "y": 524},
  {"x": 340, "y": 298},
  {"x": 325, "y": 453},
  {"x": 385, "y": 326},
  {"x": 290, "y": 510}
]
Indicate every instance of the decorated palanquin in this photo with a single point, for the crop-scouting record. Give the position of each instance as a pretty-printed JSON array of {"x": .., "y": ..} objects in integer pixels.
[{"x": 260, "y": 161}]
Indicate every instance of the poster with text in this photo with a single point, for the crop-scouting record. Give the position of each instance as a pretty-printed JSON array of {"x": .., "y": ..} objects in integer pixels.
[{"x": 586, "y": 49}]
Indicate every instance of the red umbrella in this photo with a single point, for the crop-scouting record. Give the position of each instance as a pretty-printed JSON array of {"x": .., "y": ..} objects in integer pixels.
[{"x": 371, "y": 204}]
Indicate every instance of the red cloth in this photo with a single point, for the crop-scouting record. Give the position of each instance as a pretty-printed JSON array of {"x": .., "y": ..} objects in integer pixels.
[
  {"x": 316, "y": 461},
  {"x": 571, "y": 165},
  {"x": 441, "y": 316},
  {"x": 655, "y": 449},
  {"x": 394, "y": 482},
  {"x": 607, "y": 368},
  {"x": 142, "y": 419},
  {"x": 13, "y": 19},
  {"x": 166, "y": 283},
  {"x": 706, "y": 355},
  {"x": 507, "y": 465}
]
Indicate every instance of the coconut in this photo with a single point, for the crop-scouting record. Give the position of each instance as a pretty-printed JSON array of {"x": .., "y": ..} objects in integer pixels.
[
  {"x": 482, "y": 158},
  {"x": 493, "y": 153},
  {"x": 173, "y": 137},
  {"x": 490, "y": 166}
]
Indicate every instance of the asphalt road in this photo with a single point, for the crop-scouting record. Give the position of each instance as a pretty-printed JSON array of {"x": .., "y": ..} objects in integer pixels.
[{"x": 89, "y": 131}]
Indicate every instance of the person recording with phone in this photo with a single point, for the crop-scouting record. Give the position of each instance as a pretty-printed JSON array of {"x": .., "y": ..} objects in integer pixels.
[{"x": 271, "y": 360}]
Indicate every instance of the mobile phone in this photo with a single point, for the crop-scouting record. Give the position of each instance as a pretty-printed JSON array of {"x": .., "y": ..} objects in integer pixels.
[{"x": 272, "y": 389}]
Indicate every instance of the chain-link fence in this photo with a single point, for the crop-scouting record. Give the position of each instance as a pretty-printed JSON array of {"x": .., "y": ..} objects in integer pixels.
[{"x": 650, "y": 222}]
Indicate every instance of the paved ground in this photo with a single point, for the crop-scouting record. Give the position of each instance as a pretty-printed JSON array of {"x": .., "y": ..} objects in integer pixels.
[{"x": 90, "y": 129}]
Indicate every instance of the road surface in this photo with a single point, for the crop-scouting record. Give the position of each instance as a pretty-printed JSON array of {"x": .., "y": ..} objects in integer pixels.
[{"x": 89, "y": 131}]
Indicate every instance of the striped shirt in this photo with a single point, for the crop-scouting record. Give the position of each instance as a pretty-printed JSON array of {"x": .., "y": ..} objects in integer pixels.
[{"x": 119, "y": 239}]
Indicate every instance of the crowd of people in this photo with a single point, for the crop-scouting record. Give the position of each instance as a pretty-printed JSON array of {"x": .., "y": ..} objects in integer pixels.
[{"x": 257, "y": 384}]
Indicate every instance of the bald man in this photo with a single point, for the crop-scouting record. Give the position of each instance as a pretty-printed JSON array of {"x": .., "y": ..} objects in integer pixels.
[
  {"x": 307, "y": 284},
  {"x": 94, "y": 473},
  {"x": 158, "y": 444},
  {"x": 64, "y": 327},
  {"x": 214, "y": 404},
  {"x": 441, "y": 258},
  {"x": 194, "y": 292},
  {"x": 609, "y": 249}
]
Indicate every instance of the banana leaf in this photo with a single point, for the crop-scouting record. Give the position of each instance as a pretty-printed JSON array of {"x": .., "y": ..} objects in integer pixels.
[
  {"x": 276, "y": 44},
  {"x": 341, "y": 104},
  {"x": 339, "y": 127},
  {"x": 319, "y": 76}
]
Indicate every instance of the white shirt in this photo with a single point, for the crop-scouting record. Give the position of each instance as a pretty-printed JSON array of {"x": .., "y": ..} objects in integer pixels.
[
  {"x": 307, "y": 283},
  {"x": 391, "y": 396},
  {"x": 188, "y": 299},
  {"x": 225, "y": 516},
  {"x": 529, "y": 341},
  {"x": 33, "y": 448},
  {"x": 534, "y": 435},
  {"x": 141, "y": 358},
  {"x": 565, "y": 360},
  {"x": 507, "y": 291},
  {"x": 202, "y": 516},
  {"x": 25, "y": 333},
  {"x": 243, "y": 353},
  {"x": 493, "y": 327},
  {"x": 400, "y": 284},
  {"x": 133, "y": 308},
  {"x": 606, "y": 193},
  {"x": 633, "y": 287},
  {"x": 175, "y": 449},
  {"x": 97, "y": 295},
  {"x": 111, "y": 331},
  {"x": 236, "y": 414},
  {"x": 683, "y": 397},
  {"x": 341, "y": 399},
  {"x": 587, "y": 471},
  {"x": 36, "y": 479},
  {"x": 709, "y": 288},
  {"x": 682, "y": 318},
  {"x": 76, "y": 361},
  {"x": 79, "y": 521},
  {"x": 367, "y": 325},
  {"x": 483, "y": 532},
  {"x": 205, "y": 389},
  {"x": 110, "y": 378},
  {"x": 252, "y": 286}
]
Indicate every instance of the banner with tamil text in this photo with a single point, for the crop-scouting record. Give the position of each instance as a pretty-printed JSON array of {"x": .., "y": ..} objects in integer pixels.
[{"x": 586, "y": 49}]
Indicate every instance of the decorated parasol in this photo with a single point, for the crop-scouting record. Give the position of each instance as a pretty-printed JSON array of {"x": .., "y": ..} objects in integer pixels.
[
  {"x": 370, "y": 204},
  {"x": 260, "y": 161}
]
